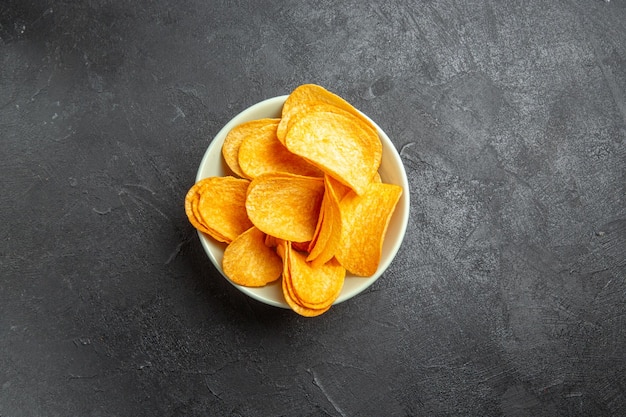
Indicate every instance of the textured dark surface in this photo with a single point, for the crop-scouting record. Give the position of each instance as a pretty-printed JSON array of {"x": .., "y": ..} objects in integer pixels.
[{"x": 507, "y": 297}]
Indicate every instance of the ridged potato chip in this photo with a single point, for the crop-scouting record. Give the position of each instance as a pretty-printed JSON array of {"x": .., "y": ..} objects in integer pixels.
[
  {"x": 285, "y": 205},
  {"x": 262, "y": 264},
  {"x": 222, "y": 207},
  {"x": 364, "y": 221},
  {"x": 338, "y": 143},
  {"x": 261, "y": 152}
]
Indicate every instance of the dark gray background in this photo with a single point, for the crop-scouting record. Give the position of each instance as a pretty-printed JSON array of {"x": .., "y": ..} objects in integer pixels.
[{"x": 507, "y": 297}]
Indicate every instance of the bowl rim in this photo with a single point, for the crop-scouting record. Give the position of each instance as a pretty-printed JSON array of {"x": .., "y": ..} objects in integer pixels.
[{"x": 271, "y": 107}]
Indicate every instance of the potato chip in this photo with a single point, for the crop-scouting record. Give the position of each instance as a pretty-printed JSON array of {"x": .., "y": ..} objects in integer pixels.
[
  {"x": 234, "y": 139},
  {"x": 261, "y": 152},
  {"x": 285, "y": 205},
  {"x": 285, "y": 251},
  {"x": 338, "y": 189},
  {"x": 323, "y": 228},
  {"x": 222, "y": 207},
  {"x": 324, "y": 248},
  {"x": 318, "y": 226},
  {"x": 339, "y": 144},
  {"x": 305, "y": 96},
  {"x": 295, "y": 306},
  {"x": 191, "y": 207},
  {"x": 262, "y": 264},
  {"x": 315, "y": 287},
  {"x": 271, "y": 241},
  {"x": 364, "y": 221},
  {"x": 301, "y": 246}
]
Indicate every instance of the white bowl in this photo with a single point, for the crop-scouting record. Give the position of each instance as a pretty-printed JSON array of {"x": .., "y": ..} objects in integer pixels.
[{"x": 391, "y": 171}]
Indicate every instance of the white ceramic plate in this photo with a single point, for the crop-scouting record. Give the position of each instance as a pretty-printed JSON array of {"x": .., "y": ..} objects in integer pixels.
[{"x": 391, "y": 171}]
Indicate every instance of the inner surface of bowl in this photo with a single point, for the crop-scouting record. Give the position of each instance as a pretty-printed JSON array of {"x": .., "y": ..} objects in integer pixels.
[{"x": 391, "y": 171}]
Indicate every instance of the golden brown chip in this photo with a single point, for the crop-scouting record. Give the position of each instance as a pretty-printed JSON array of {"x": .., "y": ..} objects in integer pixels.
[
  {"x": 271, "y": 241},
  {"x": 364, "y": 221},
  {"x": 261, "y": 152},
  {"x": 222, "y": 207},
  {"x": 248, "y": 261},
  {"x": 305, "y": 96},
  {"x": 323, "y": 228},
  {"x": 315, "y": 287},
  {"x": 330, "y": 232},
  {"x": 285, "y": 206},
  {"x": 298, "y": 308},
  {"x": 338, "y": 143},
  {"x": 191, "y": 203},
  {"x": 285, "y": 251},
  {"x": 234, "y": 139},
  {"x": 318, "y": 226},
  {"x": 338, "y": 189},
  {"x": 300, "y": 246}
]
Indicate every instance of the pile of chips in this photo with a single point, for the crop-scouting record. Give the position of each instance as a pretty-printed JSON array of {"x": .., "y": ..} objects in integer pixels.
[{"x": 305, "y": 203}]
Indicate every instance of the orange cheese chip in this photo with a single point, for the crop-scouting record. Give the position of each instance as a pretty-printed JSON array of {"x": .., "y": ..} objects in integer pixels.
[
  {"x": 261, "y": 152},
  {"x": 364, "y": 221},
  {"x": 338, "y": 143},
  {"x": 262, "y": 265},
  {"x": 221, "y": 207},
  {"x": 285, "y": 205}
]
